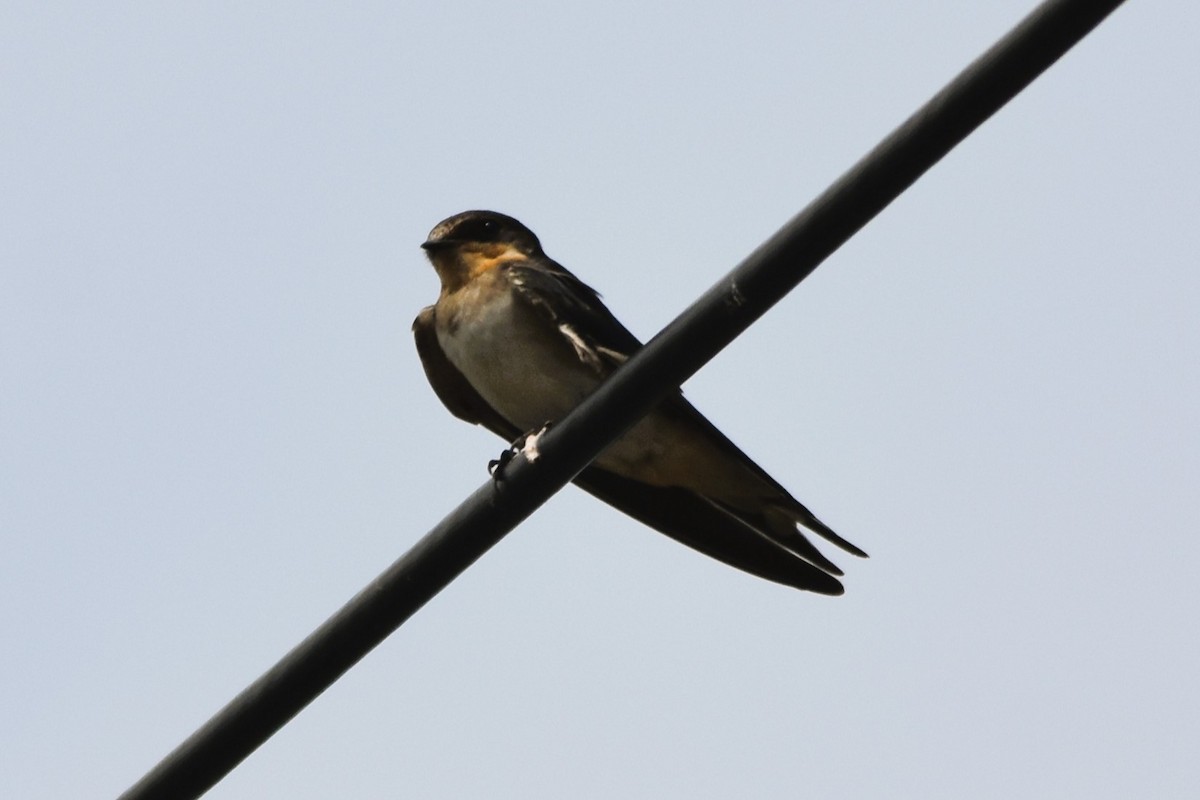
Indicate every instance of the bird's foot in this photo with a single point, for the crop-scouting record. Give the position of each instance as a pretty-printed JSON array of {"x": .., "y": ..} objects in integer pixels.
[
  {"x": 526, "y": 444},
  {"x": 530, "y": 447},
  {"x": 496, "y": 466}
]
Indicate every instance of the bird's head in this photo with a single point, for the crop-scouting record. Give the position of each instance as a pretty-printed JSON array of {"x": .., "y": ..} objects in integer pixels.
[{"x": 469, "y": 244}]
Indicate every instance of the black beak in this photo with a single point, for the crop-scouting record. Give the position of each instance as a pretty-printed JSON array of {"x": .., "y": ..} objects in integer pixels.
[{"x": 432, "y": 246}]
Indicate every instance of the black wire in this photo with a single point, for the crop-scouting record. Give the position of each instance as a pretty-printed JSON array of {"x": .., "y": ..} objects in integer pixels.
[{"x": 685, "y": 345}]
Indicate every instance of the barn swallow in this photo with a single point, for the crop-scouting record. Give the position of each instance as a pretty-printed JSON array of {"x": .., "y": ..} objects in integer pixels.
[{"x": 515, "y": 340}]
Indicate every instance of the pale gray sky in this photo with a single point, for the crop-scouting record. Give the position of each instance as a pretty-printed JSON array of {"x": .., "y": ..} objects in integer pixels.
[{"x": 214, "y": 428}]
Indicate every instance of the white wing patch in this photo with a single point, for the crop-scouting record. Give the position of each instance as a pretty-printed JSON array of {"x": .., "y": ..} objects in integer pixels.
[
  {"x": 585, "y": 353},
  {"x": 617, "y": 358}
]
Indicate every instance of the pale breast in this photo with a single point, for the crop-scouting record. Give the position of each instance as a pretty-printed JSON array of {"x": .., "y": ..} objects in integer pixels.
[{"x": 510, "y": 355}]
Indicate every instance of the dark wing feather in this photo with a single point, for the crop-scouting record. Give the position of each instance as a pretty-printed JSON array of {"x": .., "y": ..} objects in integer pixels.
[
  {"x": 563, "y": 299},
  {"x": 691, "y": 520},
  {"x": 679, "y": 408},
  {"x": 451, "y": 387}
]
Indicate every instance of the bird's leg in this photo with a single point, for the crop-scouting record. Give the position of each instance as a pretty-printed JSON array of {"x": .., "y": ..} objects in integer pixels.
[{"x": 526, "y": 444}]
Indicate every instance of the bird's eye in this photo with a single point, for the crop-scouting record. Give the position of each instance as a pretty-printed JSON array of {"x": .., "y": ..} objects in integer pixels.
[{"x": 485, "y": 230}]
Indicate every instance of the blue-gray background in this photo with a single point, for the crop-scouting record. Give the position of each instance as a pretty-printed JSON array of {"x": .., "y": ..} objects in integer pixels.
[{"x": 215, "y": 428}]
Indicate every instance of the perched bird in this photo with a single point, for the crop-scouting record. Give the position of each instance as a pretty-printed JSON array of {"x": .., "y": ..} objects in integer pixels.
[{"x": 515, "y": 340}]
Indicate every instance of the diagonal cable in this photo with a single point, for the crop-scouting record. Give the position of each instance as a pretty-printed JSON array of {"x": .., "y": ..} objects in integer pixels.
[{"x": 670, "y": 358}]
